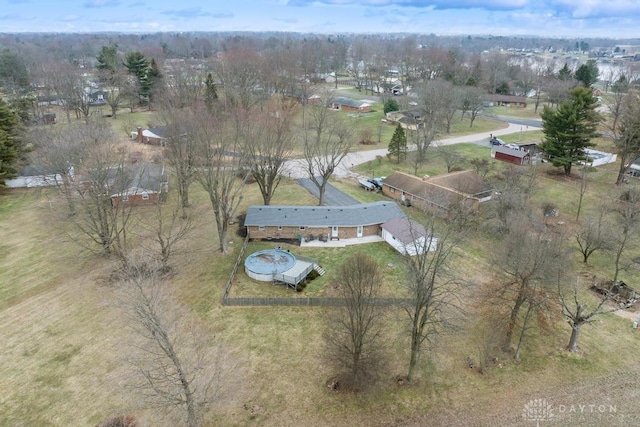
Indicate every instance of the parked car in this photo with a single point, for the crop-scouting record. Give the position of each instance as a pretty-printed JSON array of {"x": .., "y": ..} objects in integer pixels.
[
  {"x": 366, "y": 185},
  {"x": 496, "y": 141},
  {"x": 377, "y": 182}
]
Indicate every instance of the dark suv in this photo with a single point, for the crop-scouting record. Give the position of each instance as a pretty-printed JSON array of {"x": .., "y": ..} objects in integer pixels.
[{"x": 496, "y": 141}]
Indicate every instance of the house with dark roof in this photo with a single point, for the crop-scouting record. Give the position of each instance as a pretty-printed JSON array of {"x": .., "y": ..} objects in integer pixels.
[
  {"x": 408, "y": 119},
  {"x": 408, "y": 237},
  {"x": 319, "y": 222},
  {"x": 140, "y": 184},
  {"x": 507, "y": 100},
  {"x": 348, "y": 104},
  {"x": 440, "y": 193},
  {"x": 152, "y": 136}
]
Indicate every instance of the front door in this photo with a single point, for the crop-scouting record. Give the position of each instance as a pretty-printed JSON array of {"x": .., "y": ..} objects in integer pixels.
[
  {"x": 359, "y": 231},
  {"x": 334, "y": 232}
]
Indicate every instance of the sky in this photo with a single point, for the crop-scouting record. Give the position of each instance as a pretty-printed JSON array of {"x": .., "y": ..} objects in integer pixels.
[{"x": 555, "y": 18}]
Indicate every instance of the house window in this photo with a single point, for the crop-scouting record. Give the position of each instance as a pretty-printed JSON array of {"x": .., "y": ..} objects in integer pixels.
[
  {"x": 302, "y": 227},
  {"x": 391, "y": 189},
  {"x": 279, "y": 228},
  {"x": 125, "y": 197},
  {"x": 261, "y": 227},
  {"x": 145, "y": 196}
]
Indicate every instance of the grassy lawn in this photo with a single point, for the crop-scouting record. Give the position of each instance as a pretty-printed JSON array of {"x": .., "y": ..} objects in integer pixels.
[
  {"x": 527, "y": 112},
  {"x": 63, "y": 352}
]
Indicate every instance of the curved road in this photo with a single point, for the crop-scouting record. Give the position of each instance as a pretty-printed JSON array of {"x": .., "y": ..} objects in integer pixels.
[{"x": 296, "y": 170}]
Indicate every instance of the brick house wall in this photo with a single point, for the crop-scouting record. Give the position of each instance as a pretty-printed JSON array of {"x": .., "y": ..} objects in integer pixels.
[
  {"x": 136, "y": 199},
  {"x": 274, "y": 232}
]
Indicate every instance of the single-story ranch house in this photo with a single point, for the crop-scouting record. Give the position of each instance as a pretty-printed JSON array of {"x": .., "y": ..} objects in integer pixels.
[
  {"x": 384, "y": 220},
  {"x": 144, "y": 184},
  {"x": 438, "y": 194},
  {"x": 348, "y": 104},
  {"x": 507, "y": 100},
  {"x": 324, "y": 222},
  {"x": 152, "y": 136}
]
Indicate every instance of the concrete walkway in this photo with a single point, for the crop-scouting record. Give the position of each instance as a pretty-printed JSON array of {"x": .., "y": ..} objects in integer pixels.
[
  {"x": 342, "y": 243},
  {"x": 296, "y": 169}
]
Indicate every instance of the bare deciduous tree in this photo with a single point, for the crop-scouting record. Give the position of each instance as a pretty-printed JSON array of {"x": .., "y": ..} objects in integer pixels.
[
  {"x": 353, "y": 332},
  {"x": 431, "y": 289},
  {"x": 450, "y": 157},
  {"x": 575, "y": 310},
  {"x": 181, "y": 150},
  {"x": 624, "y": 128},
  {"x": 594, "y": 235},
  {"x": 529, "y": 259},
  {"x": 627, "y": 215},
  {"x": 221, "y": 173},
  {"x": 166, "y": 230},
  {"x": 326, "y": 142},
  {"x": 268, "y": 144},
  {"x": 176, "y": 368}
]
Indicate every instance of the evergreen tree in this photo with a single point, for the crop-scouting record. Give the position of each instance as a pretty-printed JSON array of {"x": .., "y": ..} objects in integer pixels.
[
  {"x": 154, "y": 79},
  {"x": 14, "y": 76},
  {"x": 9, "y": 149},
  {"x": 569, "y": 129},
  {"x": 211, "y": 94},
  {"x": 390, "y": 105},
  {"x": 108, "y": 59},
  {"x": 588, "y": 73},
  {"x": 564, "y": 73},
  {"x": 138, "y": 65},
  {"x": 398, "y": 144}
]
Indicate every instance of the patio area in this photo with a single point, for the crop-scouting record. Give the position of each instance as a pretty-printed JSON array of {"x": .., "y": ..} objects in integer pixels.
[{"x": 342, "y": 243}]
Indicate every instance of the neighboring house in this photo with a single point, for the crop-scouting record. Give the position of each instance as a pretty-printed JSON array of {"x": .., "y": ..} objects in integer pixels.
[
  {"x": 144, "y": 184},
  {"x": 348, "y": 104},
  {"x": 507, "y": 100},
  {"x": 36, "y": 176},
  {"x": 407, "y": 236},
  {"x": 511, "y": 155},
  {"x": 330, "y": 222},
  {"x": 304, "y": 99},
  {"x": 438, "y": 194},
  {"x": 408, "y": 119},
  {"x": 634, "y": 168},
  {"x": 96, "y": 97},
  {"x": 152, "y": 136},
  {"x": 390, "y": 87}
]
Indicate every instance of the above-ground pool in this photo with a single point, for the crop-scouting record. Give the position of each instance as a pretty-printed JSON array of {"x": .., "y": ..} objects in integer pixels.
[{"x": 263, "y": 265}]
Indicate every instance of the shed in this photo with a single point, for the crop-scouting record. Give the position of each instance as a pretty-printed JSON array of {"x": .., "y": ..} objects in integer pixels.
[{"x": 511, "y": 155}]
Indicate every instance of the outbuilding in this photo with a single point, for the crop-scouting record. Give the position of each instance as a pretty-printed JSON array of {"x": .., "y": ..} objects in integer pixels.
[
  {"x": 511, "y": 155},
  {"x": 408, "y": 237}
]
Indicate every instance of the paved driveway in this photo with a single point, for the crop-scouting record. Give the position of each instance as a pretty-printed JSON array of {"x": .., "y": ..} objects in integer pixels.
[{"x": 332, "y": 196}]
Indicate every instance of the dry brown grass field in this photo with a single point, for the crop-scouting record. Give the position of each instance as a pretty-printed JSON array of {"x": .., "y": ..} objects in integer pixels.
[{"x": 63, "y": 343}]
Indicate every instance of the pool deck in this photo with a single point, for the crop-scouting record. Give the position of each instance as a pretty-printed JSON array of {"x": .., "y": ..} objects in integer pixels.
[{"x": 342, "y": 243}]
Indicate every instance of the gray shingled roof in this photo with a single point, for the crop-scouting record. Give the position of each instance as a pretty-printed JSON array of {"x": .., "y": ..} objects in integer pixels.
[
  {"x": 511, "y": 152},
  {"x": 405, "y": 230},
  {"x": 322, "y": 216}
]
